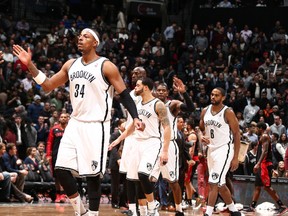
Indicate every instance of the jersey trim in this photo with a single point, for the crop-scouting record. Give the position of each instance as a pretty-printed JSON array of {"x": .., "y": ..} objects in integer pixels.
[
  {"x": 106, "y": 103},
  {"x": 104, "y": 78}
]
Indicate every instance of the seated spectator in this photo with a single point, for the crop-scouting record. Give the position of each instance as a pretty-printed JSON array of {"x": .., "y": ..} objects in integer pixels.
[
  {"x": 31, "y": 164},
  {"x": 278, "y": 152},
  {"x": 280, "y": 171},
  {"x": 5, "y": 179},
  {"x": 12, "y": 165},
  {"x": 277, "y": 127}
]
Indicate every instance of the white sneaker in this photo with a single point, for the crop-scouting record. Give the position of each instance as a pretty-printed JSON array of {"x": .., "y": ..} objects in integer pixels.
[
  {"x": 85, "y": 214},
  {"x": 184, "y": 205}
]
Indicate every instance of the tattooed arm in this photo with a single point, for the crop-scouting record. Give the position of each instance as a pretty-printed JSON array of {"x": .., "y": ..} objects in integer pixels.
[{"x": 161, "y": 111}]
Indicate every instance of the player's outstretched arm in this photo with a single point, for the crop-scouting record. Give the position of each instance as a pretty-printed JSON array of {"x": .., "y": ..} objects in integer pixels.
[
  {"x": 40, "y": 78},
  {"x": 129, "y": 130}
]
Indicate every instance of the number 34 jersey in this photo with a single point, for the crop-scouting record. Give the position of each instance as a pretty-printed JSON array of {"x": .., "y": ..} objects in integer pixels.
[
  {"x": 90, "y": 93},
  {"x": 217, "y": 128}
]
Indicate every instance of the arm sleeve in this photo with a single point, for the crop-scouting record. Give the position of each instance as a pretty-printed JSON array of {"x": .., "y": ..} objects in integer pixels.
[
  {"x": 128, "y": 103},
  {"x": 188, "y": 105}
]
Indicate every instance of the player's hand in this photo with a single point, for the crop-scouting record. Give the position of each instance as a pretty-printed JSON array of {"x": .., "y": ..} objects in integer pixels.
[
  {"x": 113, "y": 144},
  {"x": 139, "y": 125},
  {"x": 256, "y": 168},
  {"x": 234, "y": 164},
  {"x": 24, "y": 56},
  {"x": 163, "y": 158},
  {"x": 205, "y": 140},
  {"x": 178, "y": 85}
]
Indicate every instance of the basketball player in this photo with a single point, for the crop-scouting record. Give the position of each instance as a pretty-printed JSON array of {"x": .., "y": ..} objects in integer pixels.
[
  {"x": 150, "y": 151},
  {"x": 220, "y": 129},
  {"x": 53, "y": 143},
  {"x": 170, "y": 171},
  {"x": 92, "y": 82},
  {"x": 263, "y": 170},
  {"x": 133, "y": 185}
]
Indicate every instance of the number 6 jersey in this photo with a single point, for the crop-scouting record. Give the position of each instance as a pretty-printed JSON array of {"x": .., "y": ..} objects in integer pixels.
[
  {"x": 217, "y": 129},
  {"x": 87, "y": 82}
]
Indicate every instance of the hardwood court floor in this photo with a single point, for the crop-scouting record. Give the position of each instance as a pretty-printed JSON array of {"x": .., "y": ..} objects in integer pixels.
[{"x": 51, "y": 209}]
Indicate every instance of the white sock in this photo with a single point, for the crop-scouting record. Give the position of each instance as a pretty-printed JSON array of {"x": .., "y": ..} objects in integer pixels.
[
  {"x": 143, "y": 210},
  {"x": 209, "y": 210},
  {"x": 132, "y": 207},
  {"x": 77, "y": 205},
  {"x": 151, "y": 205},
  {"x": 93, "y": 213},
  {"x": 178, "y": 207},
  {"x": 232, "y": 207}
]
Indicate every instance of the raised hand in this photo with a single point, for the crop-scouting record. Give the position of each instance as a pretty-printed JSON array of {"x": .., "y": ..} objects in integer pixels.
[
  {"x": 178, "y": 85},
  {"x": 24, "y": 56}
]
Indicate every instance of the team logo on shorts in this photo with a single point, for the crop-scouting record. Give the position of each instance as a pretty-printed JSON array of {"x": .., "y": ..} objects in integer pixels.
[
  {"x": 149, "y": 166},
  {"x": 94, "y": 165},
  {"x": 172, "y": 174},
  {"x": 215, "y": 176}
]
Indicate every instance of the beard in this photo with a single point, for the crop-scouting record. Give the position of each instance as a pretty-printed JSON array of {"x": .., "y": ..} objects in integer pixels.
[{"x": 139, "y": 92}]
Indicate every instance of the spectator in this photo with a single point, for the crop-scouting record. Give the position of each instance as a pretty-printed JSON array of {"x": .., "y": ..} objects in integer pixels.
[
  {"x": 35, "y": 108},
  {"x": 278, "y": 152},
  {"x": 169, "y": 32},
  {"x": 12, "y": 165},
  {"x": 279, "y": 171},
  {"x": 42, "y": 129},
  {"x": 5, "y": 178},
  {"x": 251, "y": 135},
  {"x": 225, "y": 4},
  {"x": 250, "y": 111},
  {"x": 277, "y": 127}
]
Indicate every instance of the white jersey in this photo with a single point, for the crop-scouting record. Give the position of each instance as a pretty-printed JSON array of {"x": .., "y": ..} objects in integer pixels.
[
  {"x": 148, "y": 115},
  {"x": 217, "y": 128},
  {"x": 91, "y": 95}
]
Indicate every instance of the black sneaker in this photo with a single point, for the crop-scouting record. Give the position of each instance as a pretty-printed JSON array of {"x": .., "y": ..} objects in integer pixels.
[
  {"x": 179, "y": 213},
  {"x": 250, "y": 209},
  {"x": 282, "y": 211},
  {"x": 235, "y": 213}
]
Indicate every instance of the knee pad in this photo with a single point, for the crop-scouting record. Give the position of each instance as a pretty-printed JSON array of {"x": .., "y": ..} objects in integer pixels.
[
  {"x": 67, "y": 181},
  {"x": 147, "y": 186}
]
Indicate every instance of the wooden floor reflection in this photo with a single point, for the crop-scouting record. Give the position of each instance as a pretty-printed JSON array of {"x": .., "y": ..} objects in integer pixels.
[{"x": 53, "y": 209}]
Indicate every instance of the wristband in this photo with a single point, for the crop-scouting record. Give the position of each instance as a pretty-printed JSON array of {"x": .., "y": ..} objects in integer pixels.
[{"x": 40, "y": 78}]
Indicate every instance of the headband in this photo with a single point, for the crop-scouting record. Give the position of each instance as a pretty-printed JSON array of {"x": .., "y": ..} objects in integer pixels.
[{"x": 93, "y": 34}]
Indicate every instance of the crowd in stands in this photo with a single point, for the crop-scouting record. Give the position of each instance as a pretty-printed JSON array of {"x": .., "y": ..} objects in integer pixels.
[{"x": 249, "y": 64}]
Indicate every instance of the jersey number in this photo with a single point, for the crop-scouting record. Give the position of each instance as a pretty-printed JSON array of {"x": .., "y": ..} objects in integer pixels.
[
  {"x": 79, "y": 90},
  {"x": 212, "y": 133}
]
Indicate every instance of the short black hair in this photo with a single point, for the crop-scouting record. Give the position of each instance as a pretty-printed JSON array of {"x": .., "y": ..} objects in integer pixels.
[
  {"x": 262, "y": 125},
  {"x": 222, "y": 91},
  {"x": 148, "y": 82}
]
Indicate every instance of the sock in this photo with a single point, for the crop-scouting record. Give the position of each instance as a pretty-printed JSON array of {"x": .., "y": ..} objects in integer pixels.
[
  {"x": 196, "y": 194},
  {"x": 279, "y": 202},
  {"x": 253, "y": 204},
  {"x": 132, "y": 207},
  {"x": 178, "y": 207},
  {"x": 143, "y": 210},
  {"x": 77, "y": 205},
  {"x": 232, "y": 207},
  {"x": 93, "y": 213},
  {"x": 209, "y": 210},
  {"x": 151, "y": 205}
]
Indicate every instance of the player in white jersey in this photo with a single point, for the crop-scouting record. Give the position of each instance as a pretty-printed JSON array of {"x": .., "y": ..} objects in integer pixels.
[
  {"x": 220, "y": 132},
  {"x": 153, "y": 113},
  {"x": 170, "y": 171},
  {"x": 130, "y": 154},
  {"x": 84, "y": 145}
]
